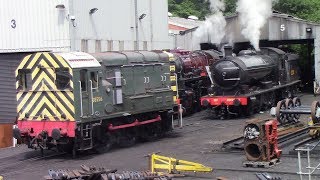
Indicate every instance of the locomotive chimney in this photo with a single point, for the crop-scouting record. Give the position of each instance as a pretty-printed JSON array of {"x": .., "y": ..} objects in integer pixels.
[{"x": 227, "y": 51}]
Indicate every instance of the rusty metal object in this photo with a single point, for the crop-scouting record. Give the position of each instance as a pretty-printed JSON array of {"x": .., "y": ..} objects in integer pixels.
[
  {"x": 289, "y": 105},
  {"x": 93, "y": 173},
  {"x": 260, "y": 140},
  {"x": 281, "y": 105},
  {"x": 314, "y": 112},
  {"x": 290, "y": 110}
]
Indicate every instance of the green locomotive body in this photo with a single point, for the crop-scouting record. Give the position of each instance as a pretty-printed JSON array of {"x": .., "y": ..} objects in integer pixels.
[{"x": 84, "y": 101}]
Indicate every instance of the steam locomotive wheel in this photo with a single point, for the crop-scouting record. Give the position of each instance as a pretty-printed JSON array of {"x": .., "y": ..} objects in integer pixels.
[
  {"x": 270, "y": 100},
  {"x": 281, "y": 105},
  {"x": 297, "y": 103},
  {"x": 248, "y": 110},
  {"x": 315, "y": 112},
  {"x": 259, "y": 104},
  {"x": 127, "y": 138},
  {"x": 289, "y": 105}
]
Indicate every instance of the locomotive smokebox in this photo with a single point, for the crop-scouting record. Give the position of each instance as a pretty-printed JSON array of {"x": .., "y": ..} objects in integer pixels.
[{"x": 247, "y": 68}]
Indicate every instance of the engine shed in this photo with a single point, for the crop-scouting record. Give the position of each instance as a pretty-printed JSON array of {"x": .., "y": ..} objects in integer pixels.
[{"x": 280, "y": 29}]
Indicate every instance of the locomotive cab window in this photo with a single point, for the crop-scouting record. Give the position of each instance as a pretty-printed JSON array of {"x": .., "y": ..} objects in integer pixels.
[
  {"x": 62, "y": 78},
  {"x": 83, "y": 74},
  {"x": 24, "y": 79},
  {"x": 94, "y": 80}
]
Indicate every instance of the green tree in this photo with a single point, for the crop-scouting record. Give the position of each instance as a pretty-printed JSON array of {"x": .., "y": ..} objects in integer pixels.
[
  {"x": 304, "y": 9},
  {"x": 199, "y": 8},
  {"x": 185, "y": 8},
  {"x": 230, "y": 7}
]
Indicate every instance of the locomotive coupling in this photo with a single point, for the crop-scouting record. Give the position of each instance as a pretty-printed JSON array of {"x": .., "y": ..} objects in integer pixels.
[{"x": 18, "y": 133}]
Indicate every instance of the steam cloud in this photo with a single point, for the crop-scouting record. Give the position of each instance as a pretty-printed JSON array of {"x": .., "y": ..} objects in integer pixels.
[
  {"x": 253, "y": 15},
  {"x": 213, "y": 29}
]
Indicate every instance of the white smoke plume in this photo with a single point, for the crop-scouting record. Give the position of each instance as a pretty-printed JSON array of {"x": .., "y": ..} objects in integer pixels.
[
  {"x": 253, "y": 15},
  {"x": 213, "y": 29}
]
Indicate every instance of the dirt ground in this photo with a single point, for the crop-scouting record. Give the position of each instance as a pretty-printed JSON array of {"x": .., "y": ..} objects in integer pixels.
[{"x": 199, "y": 140}]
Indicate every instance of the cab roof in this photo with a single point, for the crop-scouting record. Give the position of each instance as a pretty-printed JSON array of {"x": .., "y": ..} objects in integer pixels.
[{"x": 130, "y": 57}]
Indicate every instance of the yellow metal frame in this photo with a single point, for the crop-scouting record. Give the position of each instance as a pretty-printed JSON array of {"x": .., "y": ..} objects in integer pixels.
[{"x": 172, "y": 165}]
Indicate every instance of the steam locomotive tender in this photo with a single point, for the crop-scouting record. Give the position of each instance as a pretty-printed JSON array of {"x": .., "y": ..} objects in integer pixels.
[
  {"x": 78, "y": 101},
  {"x": 192, "y": 77},
  {"x": 251, "y": 82}
]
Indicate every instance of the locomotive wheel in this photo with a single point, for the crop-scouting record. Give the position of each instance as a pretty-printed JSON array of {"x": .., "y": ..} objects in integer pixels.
[
  {"x": 127, "y": 139},
  {"x": 314, "y": 108},
  {"x": 281, "y": 105},
  {"x": 297, "y": 103},
  {"x": 289, "y": 105},
  {"x": 65, "y": 148},
  {"x": 272, "y": 101},
  {"x": 106, "y": 144},
  {"x": 288, "y": 94},
  {"x": 259, "y": 104},
  {"x": 153, "y": 133},
  {"x": 268, "y": 100},
  {"x": 248, "y": 110}
]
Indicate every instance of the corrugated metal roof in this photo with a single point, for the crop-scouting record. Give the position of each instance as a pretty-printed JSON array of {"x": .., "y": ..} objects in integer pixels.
[
  {"x": 80, "y": 59},
  {"x": 186, "y": 23}
]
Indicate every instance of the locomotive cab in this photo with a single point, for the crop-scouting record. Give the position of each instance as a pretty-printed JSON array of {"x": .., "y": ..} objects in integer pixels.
[{"x": 46, "y": 100}]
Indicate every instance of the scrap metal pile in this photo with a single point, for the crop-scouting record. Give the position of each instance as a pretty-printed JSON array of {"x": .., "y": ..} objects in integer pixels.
[
  {"x": 93, "y": 173},
  {"x": 161, "y": 168}
]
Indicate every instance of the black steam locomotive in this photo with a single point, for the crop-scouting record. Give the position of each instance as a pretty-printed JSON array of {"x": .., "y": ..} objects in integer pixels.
[{"x": 251, "y": 82}]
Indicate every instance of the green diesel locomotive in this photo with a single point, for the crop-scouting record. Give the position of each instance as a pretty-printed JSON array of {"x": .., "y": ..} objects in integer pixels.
[{"x": 78, "y": 101}]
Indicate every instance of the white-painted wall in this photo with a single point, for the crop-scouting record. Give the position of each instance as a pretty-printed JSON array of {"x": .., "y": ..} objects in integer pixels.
[
  {"x": 40, "y": 26},
  {"x": 33, "y": 25}
]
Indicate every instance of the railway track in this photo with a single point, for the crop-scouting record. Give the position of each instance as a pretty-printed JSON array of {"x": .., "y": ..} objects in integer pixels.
[
  {"x": 14, "y": 165},
  {"x": 238, "y": 143}
]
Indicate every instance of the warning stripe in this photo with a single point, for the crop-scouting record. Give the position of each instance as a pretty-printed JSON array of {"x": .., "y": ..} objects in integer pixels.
[
  {"x": 44, "y": 99},
  {"x": 23, "y": 62},
  {"x": 173, "y": 79}
]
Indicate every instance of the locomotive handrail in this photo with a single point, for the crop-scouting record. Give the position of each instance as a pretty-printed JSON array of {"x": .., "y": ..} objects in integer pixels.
[
  {"x": 81, "y": 110},
  {"x": 91, "y": 93},
  {"x": 230, "y": 68},
  {"x": 231, "y": 79}
]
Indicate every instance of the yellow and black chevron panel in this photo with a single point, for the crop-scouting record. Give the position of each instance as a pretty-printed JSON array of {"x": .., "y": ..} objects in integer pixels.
[{"x": 38, "y": 96}]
